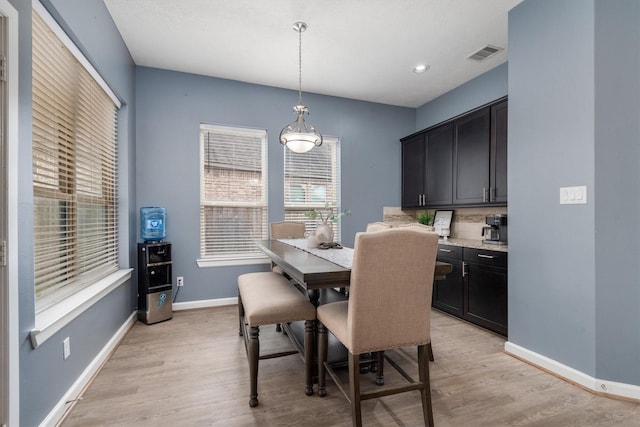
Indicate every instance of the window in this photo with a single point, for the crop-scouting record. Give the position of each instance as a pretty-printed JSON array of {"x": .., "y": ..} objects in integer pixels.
[
  {"x": 312, "y": 181},
  {"x": 74, "y": 168},
  {"x": 233, "y": 192}
]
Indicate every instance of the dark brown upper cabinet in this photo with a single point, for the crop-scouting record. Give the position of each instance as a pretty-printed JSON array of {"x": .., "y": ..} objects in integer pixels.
[
  {"x": 471, "y": 158},
  {"x": 498, "y": 166},
  {"x": 413, "y": 167},
  {"x": 427, "y": 161},
  {"x": 460, "y": 162}
]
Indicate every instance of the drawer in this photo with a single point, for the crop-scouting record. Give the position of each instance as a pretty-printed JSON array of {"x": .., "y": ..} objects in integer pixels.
[
  {"x": 449, "y": 252},
  {"x": 485, "y": 257}
]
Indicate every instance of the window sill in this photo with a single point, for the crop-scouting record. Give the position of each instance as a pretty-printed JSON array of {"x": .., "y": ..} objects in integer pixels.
[
  {"x": 226, "y": 262},
  {"x": 51, "y": 320}
]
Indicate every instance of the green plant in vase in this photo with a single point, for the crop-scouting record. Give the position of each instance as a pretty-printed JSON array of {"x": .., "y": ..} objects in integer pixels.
[{"x": 424, "y": 218}]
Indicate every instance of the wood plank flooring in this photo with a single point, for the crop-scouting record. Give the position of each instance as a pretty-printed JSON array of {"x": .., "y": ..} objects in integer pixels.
[{"x": 192, "y": 371}]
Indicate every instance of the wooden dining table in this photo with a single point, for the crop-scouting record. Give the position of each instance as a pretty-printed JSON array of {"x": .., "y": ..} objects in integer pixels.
[
  {"x": 321, "y": 279},
  {"x": 315, "y": 272}
]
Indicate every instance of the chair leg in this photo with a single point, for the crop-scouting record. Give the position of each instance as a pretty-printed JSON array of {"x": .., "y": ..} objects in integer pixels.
[
  {"x": 323, "y": 339},
  {"x": 254, "y": 354},
  {"x": 354, "y": 387},
  {"x": 278, "y": 327},
  {"x": 425, "y": 392},
  {"x": 380, "y": 372},
  {"x": 309, "y": 327},
  {"x": 240, "y": 316},
  {"x": 430, "y": 351}
]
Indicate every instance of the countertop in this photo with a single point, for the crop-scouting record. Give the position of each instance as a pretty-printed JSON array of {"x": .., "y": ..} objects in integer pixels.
[{"x": 475, "y": 244}]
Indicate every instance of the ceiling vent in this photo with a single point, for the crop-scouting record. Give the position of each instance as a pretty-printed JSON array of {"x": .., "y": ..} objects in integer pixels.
[{"x": 484, "y": 53}]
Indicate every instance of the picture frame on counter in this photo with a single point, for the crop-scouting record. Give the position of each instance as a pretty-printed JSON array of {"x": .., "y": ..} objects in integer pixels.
[{"x": 441, "y": 221}]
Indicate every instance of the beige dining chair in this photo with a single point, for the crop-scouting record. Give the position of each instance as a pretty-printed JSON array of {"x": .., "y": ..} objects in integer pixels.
[
  {"x": 417, "y": 225},
  {"x": 287, "y": 230},
  {"x": 427, "y": 228},
  {"x": 377, "y": 226},
  {"x": 389, "y": 307}
]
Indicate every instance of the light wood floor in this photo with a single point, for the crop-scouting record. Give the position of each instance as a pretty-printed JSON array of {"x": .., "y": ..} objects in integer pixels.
[{"x": 192, "y": 371}]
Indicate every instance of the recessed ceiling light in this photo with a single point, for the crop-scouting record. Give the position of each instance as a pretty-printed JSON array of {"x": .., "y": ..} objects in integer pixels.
[{"x": 421, "y": 68}]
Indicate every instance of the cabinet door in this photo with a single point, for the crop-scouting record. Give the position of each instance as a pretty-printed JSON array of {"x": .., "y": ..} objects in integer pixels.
[
  {"x": 413, "y": 159},
  {"x": 486, "y": 297},
  {"x": 498, "y": 167},
  {"x": 439, "y": 166},
  {"x": 471, "y": 158},
  {"x": 448, "y": 293}
]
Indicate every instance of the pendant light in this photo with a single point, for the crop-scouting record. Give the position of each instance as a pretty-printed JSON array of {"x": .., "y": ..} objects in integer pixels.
[{"x": 300, "y": 136}]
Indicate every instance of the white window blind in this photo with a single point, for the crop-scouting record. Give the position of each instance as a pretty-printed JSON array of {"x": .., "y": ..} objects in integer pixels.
[
  {"x": 74, "y": 170},
  {"x": 312, "y": 181},
  {"x": 233, "y": 191}
]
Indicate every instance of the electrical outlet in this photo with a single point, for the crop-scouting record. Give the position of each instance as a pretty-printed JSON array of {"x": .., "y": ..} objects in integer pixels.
[
  {"x": 66, "y": 348},
  {"x": 180, "y": 281}
]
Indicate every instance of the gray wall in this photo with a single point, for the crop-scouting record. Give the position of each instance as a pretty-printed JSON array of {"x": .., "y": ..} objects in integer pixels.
[
  {"x": 170, "y": 108},
  {"x": 573, "y": 120},
  {"x": 483, "y": 89},
  {"x": 617, "y": 157},
  {"x": 44, "y": 375}
]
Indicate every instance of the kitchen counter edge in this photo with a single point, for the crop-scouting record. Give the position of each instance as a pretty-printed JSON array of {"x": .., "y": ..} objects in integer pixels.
[{"x": 475, "y": 244}]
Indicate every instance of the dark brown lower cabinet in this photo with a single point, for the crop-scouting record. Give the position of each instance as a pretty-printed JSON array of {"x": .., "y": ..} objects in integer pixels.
[
  {"x": 476, "y": 289},
  {"x": 448, "y": 292}
]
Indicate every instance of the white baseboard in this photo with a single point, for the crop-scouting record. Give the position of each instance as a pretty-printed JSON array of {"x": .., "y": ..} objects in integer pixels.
[
  {"x": 177, "y": 306},
  {"x": 598, "y": 386},
  {"x": 56, "y": 414}
]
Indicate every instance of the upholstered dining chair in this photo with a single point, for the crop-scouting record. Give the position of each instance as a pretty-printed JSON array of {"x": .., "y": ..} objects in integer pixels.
[
  {"x": 287, "y": 230},
  {"x": 389, "y": 307},
  {"x": 427, "y": 228},
  {"x": 377, "y": 226}
]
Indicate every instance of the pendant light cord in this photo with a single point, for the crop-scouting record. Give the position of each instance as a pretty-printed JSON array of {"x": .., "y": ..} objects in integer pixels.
[{"x": 299, "y": 66}]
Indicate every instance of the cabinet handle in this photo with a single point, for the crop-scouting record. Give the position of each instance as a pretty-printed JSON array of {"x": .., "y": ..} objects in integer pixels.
[
  {"x": 445, "y": 250},
  {"x": 486, "y": 256},
  {"x": 492, "y": 194},
  {"x": 424, "y": 200},
  {"x": 419, "y": 199},
  {"x": 464, "y": 268},
  {"x": 484, "y": 194}
]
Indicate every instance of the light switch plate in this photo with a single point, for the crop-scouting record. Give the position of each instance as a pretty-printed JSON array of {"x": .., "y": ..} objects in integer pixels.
[
  {"x": 66, "y": 348},
  {"x": 573, "y": 195}
]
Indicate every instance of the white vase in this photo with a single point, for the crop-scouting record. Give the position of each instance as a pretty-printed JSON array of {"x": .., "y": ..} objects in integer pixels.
[{"x": 324, "y": 233}]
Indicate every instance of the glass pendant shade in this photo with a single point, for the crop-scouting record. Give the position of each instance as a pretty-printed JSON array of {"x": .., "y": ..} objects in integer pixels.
[{"x": 300, "y": 136}]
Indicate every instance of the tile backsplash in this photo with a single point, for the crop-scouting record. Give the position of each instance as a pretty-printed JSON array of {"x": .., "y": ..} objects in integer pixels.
[{"x": 466, "y": 223}]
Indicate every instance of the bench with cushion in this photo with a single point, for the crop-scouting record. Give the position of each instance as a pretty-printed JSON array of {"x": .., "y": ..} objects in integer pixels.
[{"x": 268, "y": 298}]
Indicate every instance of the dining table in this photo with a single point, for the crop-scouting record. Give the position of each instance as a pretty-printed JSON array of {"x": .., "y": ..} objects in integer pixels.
[
  {"x": 315, "y": 269},
  {"x": 323, "y": 274}
]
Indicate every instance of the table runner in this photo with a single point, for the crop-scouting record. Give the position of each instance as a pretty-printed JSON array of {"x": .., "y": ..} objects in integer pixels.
[{"x": 342, "y": 257}]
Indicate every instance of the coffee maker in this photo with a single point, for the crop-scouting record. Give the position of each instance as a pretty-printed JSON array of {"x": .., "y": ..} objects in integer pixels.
[{"x": 495, "y": 232}]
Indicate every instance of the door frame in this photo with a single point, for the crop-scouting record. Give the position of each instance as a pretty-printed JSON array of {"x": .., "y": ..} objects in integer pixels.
[{"x": 9, "y": 292}]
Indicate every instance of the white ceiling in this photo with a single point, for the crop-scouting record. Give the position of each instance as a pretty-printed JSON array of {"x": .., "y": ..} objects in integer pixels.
[{"x": 359, "y": 49}]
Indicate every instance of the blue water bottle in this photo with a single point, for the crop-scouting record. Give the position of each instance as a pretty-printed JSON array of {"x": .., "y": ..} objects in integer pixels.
[{"x": 153, "y": 223}]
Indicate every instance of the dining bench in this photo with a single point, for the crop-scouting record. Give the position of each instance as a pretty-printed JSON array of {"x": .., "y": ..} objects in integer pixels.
[{"x": 267, "y": 298}]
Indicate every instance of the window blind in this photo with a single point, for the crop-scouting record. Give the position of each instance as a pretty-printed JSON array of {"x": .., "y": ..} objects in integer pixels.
[
  {"x": 74, "y": 171},
  {"x": 312, "y": 181},
  {"x": 233, "y": 191}
]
